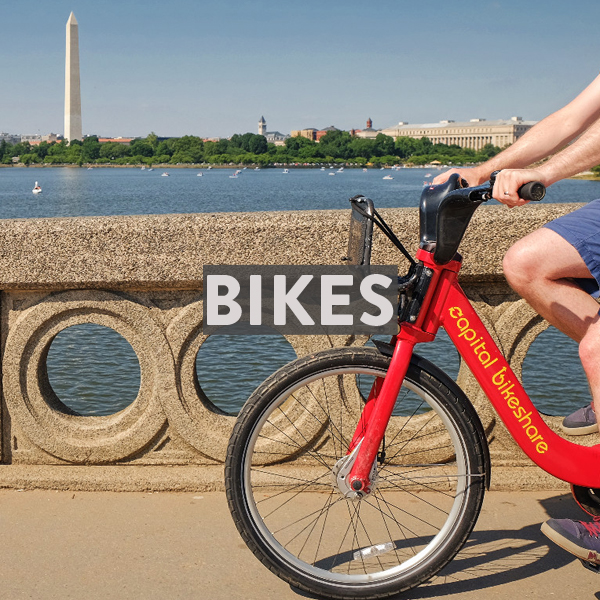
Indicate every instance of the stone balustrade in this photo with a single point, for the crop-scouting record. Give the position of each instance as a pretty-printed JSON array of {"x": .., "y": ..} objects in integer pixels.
[{"x": 142, "y": 277}]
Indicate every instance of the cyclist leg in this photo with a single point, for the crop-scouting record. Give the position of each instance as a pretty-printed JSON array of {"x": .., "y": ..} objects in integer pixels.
[
  {"x": 542, "y": 268},
  {"x": 548, "y": 271}
]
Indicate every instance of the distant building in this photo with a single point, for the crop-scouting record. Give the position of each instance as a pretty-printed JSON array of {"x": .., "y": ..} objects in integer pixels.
[
  {"x": 273, "y": 137},
  {"x": 9, "y": 138},
  {"x": 52, "y": 137},
  {"x": 31, "y": 138},
  {"x": 276, "y": 137},
  {"x": 367, "y": 133},
  {"x": 325, "y": 131},
  {"x": 118, "y": 140},
  {"x": 309, "y": 133},
  {"x": 474, "y": 134}
]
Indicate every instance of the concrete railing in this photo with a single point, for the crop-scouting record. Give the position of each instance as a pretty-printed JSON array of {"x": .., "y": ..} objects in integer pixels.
[{"x": 142, "y": 277}]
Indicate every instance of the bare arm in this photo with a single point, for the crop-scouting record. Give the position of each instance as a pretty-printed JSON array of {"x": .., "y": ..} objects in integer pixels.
[
  {"x": 548, "y": 136},
  {"x": 579, "y": 156}
]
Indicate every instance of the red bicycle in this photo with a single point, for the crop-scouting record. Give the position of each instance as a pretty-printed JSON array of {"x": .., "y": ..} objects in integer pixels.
[{"x": 360, "y": 472}]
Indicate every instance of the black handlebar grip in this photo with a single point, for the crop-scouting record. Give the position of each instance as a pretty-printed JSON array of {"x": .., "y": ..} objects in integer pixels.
[{"x": 534, "y": 190}]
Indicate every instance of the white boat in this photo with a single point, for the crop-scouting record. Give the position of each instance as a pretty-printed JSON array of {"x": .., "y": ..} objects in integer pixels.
[
  {"x": 364, "y": 170},
  {"x": 286, "y": 171},
  {"x": 235, "y": 175},
  {"x": 143, "y": 169},
  {"x": 150, "y": 169},
  {"x": 199, "y": 175},
  {"x": 388, "y": 177},
  {"x": 165, "y": 174},
  {"x": 257, "y": 168},
  {"x": 37, "y": 188},
  {"x": 322, "y": 168},
  {"x": 332, "y": 174}
]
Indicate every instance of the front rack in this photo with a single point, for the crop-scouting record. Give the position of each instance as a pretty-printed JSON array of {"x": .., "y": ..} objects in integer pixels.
[
  {"x": 359, "y": 253},
  {"x": 361, "y": 232}
]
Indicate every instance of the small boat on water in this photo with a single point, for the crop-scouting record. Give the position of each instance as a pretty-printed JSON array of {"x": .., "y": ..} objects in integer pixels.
[
  {"x": 143, "y": 169},
  {"x": 199, "y": 175},
  {"x": 257, "y": 168},
  {"x": 150, "y": 169},
  {"x": 286, "y": 171},
  {"x": 388, "y": 177},
  {"x": 235, "y": 175},
  {"x": 365, "y": 170},
  {"x": 37, "y": 189},
  {"x": 165, "y": 174}
]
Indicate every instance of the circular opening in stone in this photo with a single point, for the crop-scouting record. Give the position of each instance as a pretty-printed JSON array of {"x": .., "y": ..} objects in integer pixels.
[
  {"x": 553, "y": 376},
  {"x": 230, "y": 367},
  {"x": 93, "y": 370}
]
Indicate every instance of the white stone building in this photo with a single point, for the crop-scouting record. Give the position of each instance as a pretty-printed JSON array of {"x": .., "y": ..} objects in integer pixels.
[{"x": 474, "y": 134}]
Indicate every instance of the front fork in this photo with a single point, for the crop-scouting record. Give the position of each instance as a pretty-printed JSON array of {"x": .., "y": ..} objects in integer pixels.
[
  {"x": 421, "y": 326},
  {"x": 377, "y": 413}
]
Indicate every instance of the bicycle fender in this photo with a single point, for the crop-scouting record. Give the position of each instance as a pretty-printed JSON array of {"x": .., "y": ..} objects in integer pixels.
[{"x": 468, "y": 406}]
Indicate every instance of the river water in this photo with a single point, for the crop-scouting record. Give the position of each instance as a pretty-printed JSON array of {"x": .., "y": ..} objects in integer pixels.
[{"x": 95, "y": 371}]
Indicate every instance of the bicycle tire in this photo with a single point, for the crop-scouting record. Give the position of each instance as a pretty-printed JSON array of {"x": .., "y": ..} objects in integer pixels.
[{"x": 287, "y": 439}]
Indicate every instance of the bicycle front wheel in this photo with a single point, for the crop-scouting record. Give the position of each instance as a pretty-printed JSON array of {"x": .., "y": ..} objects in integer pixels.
[{"x": 286, "y": 500}]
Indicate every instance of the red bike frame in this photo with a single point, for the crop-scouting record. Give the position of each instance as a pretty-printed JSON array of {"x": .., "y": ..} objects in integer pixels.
[{"x": 445, "y": 304}]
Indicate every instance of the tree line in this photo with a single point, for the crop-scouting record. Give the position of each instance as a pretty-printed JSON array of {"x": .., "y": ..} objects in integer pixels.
[{"x": 246, "y": 149}]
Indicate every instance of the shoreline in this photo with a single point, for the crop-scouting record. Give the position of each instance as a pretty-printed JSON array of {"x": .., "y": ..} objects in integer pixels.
[
  {"x": 207, "y": 165},
  {"x": 586, "y": 176}
]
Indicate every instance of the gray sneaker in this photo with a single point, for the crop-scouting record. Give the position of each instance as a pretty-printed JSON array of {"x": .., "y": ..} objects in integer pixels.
[
  {"x": 581, "y": 422},
  {"x": 576, "y": 537}
]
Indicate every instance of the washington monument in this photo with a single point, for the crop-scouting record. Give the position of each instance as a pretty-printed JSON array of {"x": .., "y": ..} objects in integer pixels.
[{"x": 73, "y": 129}]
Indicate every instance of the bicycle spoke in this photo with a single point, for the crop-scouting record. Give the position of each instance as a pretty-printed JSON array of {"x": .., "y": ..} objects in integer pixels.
[{"x": 297, "y": 498}]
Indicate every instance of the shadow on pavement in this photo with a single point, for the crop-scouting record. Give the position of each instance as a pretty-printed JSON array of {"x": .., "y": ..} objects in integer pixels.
[{"x": 496, "y": 557}]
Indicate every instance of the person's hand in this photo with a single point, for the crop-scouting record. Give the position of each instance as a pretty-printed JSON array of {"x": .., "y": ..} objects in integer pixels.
[
  {"x": 508, "y": 182},
  {"x": 472, "y": 176}
]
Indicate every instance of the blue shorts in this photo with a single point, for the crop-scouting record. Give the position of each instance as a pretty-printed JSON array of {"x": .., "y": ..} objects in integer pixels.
[{"x": 581, "y": 229}]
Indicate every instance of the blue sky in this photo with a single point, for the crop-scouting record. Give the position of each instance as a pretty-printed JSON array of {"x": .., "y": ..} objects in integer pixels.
[{"x": 213, "y": 68}]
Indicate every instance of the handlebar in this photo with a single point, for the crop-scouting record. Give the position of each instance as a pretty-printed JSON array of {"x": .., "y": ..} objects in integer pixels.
[{"x": 534, "y": 190}]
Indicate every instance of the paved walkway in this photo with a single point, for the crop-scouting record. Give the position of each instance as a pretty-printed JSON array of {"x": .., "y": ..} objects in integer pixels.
[{"x": 167, "y": 546}]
